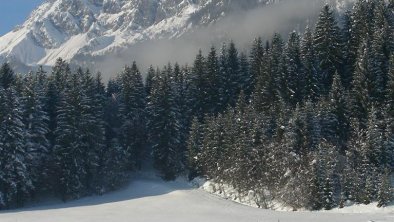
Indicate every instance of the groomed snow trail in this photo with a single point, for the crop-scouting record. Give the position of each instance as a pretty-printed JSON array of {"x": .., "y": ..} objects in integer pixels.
[{"x": 148, "y": 199}]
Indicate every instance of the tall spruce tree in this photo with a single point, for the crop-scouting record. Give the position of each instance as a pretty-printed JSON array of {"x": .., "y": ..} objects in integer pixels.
[
  {"x": 35, "y": 121},
  {"x": 327, "y": 44},
  {"x": 164, "y": 128},
  {"x": 15, "y": 177},
  {"x": 132, "y": 109}
]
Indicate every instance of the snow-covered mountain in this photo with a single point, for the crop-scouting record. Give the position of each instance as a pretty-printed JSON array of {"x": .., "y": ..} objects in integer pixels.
[{"x": 76, "y": 29}]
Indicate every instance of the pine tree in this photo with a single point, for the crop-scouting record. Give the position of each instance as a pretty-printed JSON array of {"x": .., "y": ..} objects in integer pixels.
[
  {"x": 233, "y": 74},
  {"x": 15, "y": 178},
  {"x": 359, "y": 93},
  {"x": 94, "y": 129},
  {"x": 57, "y": 82},
  {"x": 328, "y": 195},
  {"x": 164, "y": 128},
  {"x": 277, "y": 68},
  {"x": 132, "y": 109},
  {"x": 213, "y": 81},
  {"x": 72, "y": 154},
  {"x": 390, "y": 92},
  {"x": 339, "y": 108},
  {"x": 310, "y": 64},
  {"x": 224, "y": 88},
  {"x": 359, "y": 31},
  {"x": 194, "y": 147},
  {"x": 348, "y": 60},
  {"x": 245, "y": 76},
  {"x": 200, "y": 87},
  {"x": 256, "y": 56},
  {"x": 295, "y": 79},
  {"x": 35, "y": 121},
  {"x": 385, "y": 195},
  {"x": 315, "y": 187},
  {"x": 327, "y": 43},
  {"x": 149, "y": 79},
  {"x": 7, "y": 76}
]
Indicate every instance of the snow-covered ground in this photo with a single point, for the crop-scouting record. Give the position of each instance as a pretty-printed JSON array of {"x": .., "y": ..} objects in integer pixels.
[
  {"x": 148, "y": 198},
  {"x": 249, "y": 199}
]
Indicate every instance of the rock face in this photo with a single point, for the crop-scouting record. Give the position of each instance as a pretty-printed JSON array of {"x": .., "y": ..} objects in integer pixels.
[{"x": 74, "y": 29}]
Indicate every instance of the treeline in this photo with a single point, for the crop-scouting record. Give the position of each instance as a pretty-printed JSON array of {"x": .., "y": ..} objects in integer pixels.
[
  {"x": 318, "y": 129},
  {"x": 308, "y": 121}
]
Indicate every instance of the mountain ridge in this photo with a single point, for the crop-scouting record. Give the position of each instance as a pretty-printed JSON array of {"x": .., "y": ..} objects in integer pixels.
[{"x": 74, "y": 29}]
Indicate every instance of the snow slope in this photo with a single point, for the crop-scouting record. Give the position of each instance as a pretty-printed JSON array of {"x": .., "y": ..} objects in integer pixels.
[{"x": 149, "y": 199}]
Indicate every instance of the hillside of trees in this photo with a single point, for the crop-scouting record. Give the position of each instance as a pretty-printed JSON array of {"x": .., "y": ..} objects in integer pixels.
[{"x": 307, "y": 120}]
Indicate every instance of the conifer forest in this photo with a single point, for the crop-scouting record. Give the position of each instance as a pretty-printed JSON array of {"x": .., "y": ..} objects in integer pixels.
[{"x": 305, "y": 119}]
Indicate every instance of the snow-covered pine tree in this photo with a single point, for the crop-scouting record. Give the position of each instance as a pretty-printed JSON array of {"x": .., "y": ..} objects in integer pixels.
[
  {"x": 359, "y": 31},
  {"x": 390, "y": 95},
  {"x": 277, "y": 68},
  {"x": 311, "y": 67},
  {"x": 200, "y": 87},
  {"x": 264, "y": 94},
  {"x": 57, "y": 83},
  {"x": 327, "y": 159},
  {"x": 72, "y": 154},
  {"x": 256, "y": 56},
  {"x": 233, "y": 74},
  {"x": 194, "y": 148},
  {"x": 214, "y": 83},
  {"x": 224, "y": 93},
  {"x": 375, "y": 146},
  {"x": 327, "y": 44},
  {"x": 7, "y": 76},
  {"x": 164, "y": 128},
  {"x": 245, "y": 76},
  {"x": 295, "y": 79},
  {"x": 315, "y": 185},
  {"x": 359, "y": 92},
  {"x": 15, "y": 178},
  {"x": 385, "y": 193},
  {"x": 132, "y": 109},
  {"x": 35, "y": 121},
  {"x": 348, "y": 60},
  {"x": 338, "y": 104},
  {"x": 149, "y": 79}
]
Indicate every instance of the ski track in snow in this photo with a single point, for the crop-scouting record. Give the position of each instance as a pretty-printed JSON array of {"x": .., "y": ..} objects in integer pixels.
[{"x": 149, "y": 199}]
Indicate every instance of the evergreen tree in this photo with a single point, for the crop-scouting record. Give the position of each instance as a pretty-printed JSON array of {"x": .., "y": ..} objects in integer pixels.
[
  {"x": 277, "y": 68},
  {"x": 212, "y": 69},
  {"x": 194, "y": 146},
  {"x": 245, "y": 76},
  {"x": 327, "y": 44},
  {"x": 385, "y": 195},
  {"x": 200, "y": 84},
  {"x": 310, "y": 64},
  {"x": 348, "y": 60},
  {"x": 338, "y": 105},
  {"x": 72, "y": 154},
  {"x": 35, "y": 121},
  {"x": 149, "y": 79},
  {"x": 7, "y": 76},
  {"x": 164, "y": 128},
  {"x": 256, "y": 56},
  {"x": 132, "y": 109},
  {"x": 295, "y": 79},
  {"x": 359, "y": 92},
  {"x": 15, "y": 178},
  {"x": 233, "y": 74}
]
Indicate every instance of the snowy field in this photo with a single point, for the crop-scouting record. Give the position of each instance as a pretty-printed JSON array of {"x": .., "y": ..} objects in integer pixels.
[{"x": 148, "y": 199}]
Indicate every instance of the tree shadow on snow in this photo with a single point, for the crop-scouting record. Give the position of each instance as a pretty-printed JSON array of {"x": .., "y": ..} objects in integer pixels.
[{"x": 140, "y": 187}]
